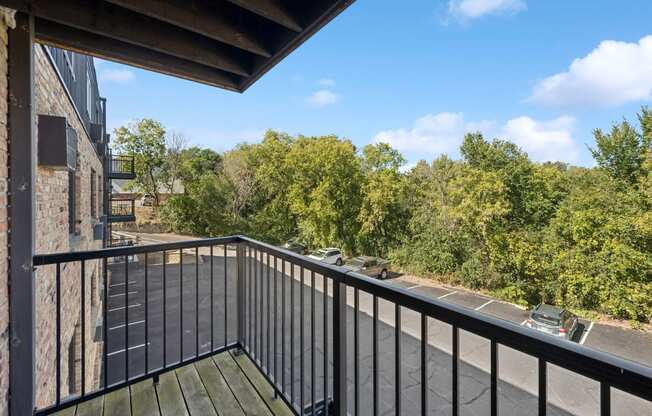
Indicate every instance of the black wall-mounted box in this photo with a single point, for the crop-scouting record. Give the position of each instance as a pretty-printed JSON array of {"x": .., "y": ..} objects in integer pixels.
[{"x": 57, "y": 143}]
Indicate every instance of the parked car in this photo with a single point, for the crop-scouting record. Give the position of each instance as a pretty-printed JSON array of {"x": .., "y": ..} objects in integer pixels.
[
  {"x": 295, "y": 247},
  {"x": 370, "y": 266},
  {"x": 328, "y": 255},
  {"x": 553, "y": 320},
  {"x": 147, "y": 200}
]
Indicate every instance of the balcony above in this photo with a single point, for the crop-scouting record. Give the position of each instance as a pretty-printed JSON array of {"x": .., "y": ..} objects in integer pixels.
[
  {"x": 122, "y": 167},
  {"x": 122, "y": 210}
]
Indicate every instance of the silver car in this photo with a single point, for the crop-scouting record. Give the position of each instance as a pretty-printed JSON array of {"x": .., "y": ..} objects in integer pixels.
[
  {"x": 330, "y": 255},
  {"x": 553, "y": 320},
  {"x": 370, "y": 266}
]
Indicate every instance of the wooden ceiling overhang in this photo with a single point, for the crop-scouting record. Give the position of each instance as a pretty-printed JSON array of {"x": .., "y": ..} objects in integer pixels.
[{"x": 224, "y": 43}]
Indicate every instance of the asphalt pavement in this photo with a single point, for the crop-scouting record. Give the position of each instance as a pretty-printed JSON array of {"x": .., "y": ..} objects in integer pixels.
[{"x": 196, "y": 330}]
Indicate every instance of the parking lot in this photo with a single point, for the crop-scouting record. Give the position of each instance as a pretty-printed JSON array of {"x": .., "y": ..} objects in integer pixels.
[
  {"x": 624, "y": 342},
  {"x": 568, "y": 393}
]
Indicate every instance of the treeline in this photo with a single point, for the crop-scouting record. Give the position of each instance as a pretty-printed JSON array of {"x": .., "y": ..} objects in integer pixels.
[{"x": 495, "y": 220}]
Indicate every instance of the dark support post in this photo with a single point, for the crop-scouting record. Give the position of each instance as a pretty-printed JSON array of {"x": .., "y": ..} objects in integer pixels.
[
  {"x": 22, "y": 168},
  {"x": 339, "y": 348}
]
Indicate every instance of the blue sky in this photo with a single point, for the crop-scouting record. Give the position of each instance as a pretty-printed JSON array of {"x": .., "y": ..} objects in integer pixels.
[{"x": 542, "y": 73}]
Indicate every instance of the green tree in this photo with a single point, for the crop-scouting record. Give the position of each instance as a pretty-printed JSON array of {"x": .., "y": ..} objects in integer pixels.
[
  {"x": 621, "y": 151},
  {"x": 145, "y": 141}
]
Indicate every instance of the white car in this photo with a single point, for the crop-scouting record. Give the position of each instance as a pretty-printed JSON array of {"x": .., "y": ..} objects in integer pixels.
[{"x": 328, "y": 255}]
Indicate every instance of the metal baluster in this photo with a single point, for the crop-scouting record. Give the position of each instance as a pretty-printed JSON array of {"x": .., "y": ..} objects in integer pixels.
[
  {"x": 543, "y": 387},
  {"x": 146, "y": 317},
  {"x": 283, "y": 324},
  {"x": 196, "y": 301},
  {"x": 339, "y": 348},
  {"x": 256, "y": 335},
  {"x": 312, "y": 340},
  {"x": 292, "y": 313},
  {"x": 275, "y": 327},
  {"x": 126, "y": 318},
  {"x": 456, "y": 353},
  {"x": 424, "y": 364},
  {"x": 494, "y": 378},
  {"x": 226, "y": 297},
  {"x": 356, "y": 349},
  {"x": 212, "y": 300},
  {"x": 302, "y": 324},
  {"x": 325, "y": 313},
  {"x": 58, "y": 331},
  {"x": 165, "y": 310},
  {"x": 105, "y": 324},
  {"x": 268, "y": 313},
  {"x": 83, "y": 327},
  {"x": 605, "y": 399},
  {"x": 375, "y": 354},
  {"x": 180, "y": 305},
  {"x": 397, "y": 357},
  {"x": 249, "y": 287}
]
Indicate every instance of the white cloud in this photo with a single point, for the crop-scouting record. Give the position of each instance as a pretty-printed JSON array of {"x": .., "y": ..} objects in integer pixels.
[
  {"x": 473, "y": 9},
  {"x": 614, "y": 73},
  {"x": 326, "y": 82},
  {"x": 120, "y": 76},
  {"x": 435, "y": 134},
  {"x": 322, "y": 98},
  {"x": 543, "y": 140},
  {"x": 432, "y": 134}
]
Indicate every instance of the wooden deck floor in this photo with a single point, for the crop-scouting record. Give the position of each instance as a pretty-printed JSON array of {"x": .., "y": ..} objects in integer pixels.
[{"x": 224, "y": 384}]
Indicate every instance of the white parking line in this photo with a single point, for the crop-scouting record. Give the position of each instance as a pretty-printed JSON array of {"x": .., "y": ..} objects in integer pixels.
[
  {"x": 121, "y": 284},
  {"x": 135, "y": 305},
  {"x": 523, "y": 323},
  {"x": 484, "y": 304},
  {"x": 447, "y": 294},
  {"x": 130, "y": 324},
  {"x": 412, "y": 287},
  {"x": 123, "y": 350},
  {"x": 122, "y": 294},
  {"x": 586, "y": 333}
]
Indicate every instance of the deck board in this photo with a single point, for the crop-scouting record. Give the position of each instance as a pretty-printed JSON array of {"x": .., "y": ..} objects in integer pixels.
[
  {"x": 265, "y": 390},
  {"x": 169, "y": 394},
  {"x": 218, "y": 389},
  {"x": 225, "y": 384},
  {"x": 93, "y": 407},
  {"x": 117, "y": 403},
  {"x": 194, "y": 392},
  {"x": 244, "y": 392},
  {"x": 143, "y": 399}
]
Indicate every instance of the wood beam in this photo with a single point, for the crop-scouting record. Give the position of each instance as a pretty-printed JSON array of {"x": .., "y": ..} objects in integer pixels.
[
  {"x": 272, "y": 10},
  {"x": 118, "y": 23},
  {"x": 22, "y": 216},
  {"x": 61, "y": 36},
  {"x": 218, "y": 22}
]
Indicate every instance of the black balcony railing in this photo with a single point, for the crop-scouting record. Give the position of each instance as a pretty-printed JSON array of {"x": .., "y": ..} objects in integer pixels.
[
  {"x": 122, "y": 210},
  {"x": 306, "y": 326},
  {"x": 122, "y": 167}
]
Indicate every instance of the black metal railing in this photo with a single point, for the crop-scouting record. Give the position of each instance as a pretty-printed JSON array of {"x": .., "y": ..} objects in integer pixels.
[
  {"x": 122, "y": 167},
  {"x": 122, "y": 208},
  {"x": 304, "y": 324}
]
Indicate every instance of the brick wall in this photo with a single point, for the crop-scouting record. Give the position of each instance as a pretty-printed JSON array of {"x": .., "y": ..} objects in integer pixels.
[
  {"x": 6, "y": 19},
  {"x": 53, "y": 235}
]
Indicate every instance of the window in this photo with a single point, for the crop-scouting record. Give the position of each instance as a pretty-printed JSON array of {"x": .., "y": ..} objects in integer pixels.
[
  {"x": 89, "y": 94},
  {"x": 71, "y": 202},
  {"x": 93, "y": 194},
  {"x": 69, "y": 57}
]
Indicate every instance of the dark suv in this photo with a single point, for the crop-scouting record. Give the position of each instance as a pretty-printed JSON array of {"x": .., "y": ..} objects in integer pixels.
[{"x": 553, "y": 320}]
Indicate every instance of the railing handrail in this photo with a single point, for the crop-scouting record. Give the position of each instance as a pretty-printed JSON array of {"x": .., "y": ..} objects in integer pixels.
[{"x": 617, "y": 372}]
